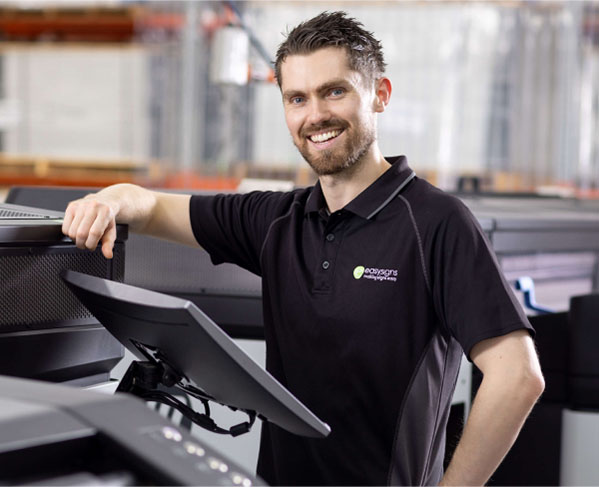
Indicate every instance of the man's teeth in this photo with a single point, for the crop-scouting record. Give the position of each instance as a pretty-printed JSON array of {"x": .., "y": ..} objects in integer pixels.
[{"x": 324, "y": 137}]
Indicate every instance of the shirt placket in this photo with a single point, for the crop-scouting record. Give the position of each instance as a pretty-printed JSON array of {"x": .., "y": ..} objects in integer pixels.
[{"x": 331, "y": 239}]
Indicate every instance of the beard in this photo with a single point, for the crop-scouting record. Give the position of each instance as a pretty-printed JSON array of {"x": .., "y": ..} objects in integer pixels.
[{"x": 340, "y": 159}]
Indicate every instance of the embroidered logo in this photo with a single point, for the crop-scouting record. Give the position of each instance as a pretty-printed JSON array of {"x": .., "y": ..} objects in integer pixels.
[
  {"x": 359, "y": 272},
  {"x": 375, "y": 274}
]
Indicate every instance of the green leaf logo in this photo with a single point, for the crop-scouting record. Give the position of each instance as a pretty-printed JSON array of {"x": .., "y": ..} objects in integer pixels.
[{"x": 358, "y": 272}]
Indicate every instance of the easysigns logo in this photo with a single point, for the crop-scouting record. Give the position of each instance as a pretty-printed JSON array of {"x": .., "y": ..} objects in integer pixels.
[{"x": 361, "y": 272}]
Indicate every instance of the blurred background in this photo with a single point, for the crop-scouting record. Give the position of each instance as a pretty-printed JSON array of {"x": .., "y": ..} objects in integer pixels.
[{"x": 498, "y": 96}]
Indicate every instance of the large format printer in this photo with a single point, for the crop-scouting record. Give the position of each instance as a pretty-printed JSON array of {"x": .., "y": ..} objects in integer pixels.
[
  {"x": 552, "y": 239},
  {"x": 554, "y": 243},
  {"x": 58, "y": 435}
]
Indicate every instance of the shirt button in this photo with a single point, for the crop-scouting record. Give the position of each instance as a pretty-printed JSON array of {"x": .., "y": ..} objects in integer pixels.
[
  {"x": 325, "y": 265},
  {"x": 330, "y": 237}
]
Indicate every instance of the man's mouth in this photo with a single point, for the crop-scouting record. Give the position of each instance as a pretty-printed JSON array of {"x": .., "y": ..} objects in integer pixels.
[{"x": 324, "y": 136}]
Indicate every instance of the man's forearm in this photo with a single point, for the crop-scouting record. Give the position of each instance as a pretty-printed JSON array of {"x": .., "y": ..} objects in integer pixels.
[
  {"x": 93, "y": 219},
  {"x": 498, "y": 413}
]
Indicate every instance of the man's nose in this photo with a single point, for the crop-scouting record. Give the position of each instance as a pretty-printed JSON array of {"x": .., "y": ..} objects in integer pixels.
[{"x": 318, "y": 112}]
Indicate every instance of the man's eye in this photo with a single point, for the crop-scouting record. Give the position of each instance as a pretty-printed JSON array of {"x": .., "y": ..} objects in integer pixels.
[
  {"x": 296, "y": 100},
  {"x": 337, "y": 92}
]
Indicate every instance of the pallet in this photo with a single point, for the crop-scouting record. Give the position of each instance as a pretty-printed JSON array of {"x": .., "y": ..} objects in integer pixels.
[
  {"x": 23, "y": 170},
  {"x": 93, "y": 24}
]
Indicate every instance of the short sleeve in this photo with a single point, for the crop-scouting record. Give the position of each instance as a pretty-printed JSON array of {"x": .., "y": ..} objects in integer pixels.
[
  {"x": 471, "y": 295},
  {"x": 233, "y": 227}
]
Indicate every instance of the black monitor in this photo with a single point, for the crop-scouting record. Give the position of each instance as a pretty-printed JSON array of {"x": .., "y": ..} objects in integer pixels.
[
  {"x": 45, "y": 333},
  {"x": 157, "y": 326}
]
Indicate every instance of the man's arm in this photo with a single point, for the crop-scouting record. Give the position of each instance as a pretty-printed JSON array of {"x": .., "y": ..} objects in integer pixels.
[
  {"x": 512, "y": 383},
  {"x": 91, "y": 220}
]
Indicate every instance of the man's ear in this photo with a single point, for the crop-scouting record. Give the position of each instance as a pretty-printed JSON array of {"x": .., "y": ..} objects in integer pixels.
[{"x": 383, "y": 94}]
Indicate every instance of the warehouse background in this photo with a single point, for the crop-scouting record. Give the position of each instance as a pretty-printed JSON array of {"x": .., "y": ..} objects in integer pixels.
[{"x": 499, "y": 94}]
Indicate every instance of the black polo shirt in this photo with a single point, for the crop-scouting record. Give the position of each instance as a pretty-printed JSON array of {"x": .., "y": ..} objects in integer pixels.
[{"x": 366, "y": 313}]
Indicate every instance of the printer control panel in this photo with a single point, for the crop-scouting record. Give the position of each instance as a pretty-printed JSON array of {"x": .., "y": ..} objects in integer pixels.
[{"x": 209, "y": 465}]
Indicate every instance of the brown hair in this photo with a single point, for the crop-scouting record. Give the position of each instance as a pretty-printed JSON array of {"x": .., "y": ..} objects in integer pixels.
[{"x": 334, "y": 29}]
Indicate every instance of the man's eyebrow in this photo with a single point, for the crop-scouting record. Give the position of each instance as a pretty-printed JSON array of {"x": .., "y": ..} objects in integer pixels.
[
  {"x": 291, "y": 93},
  {"x": 334, "y": 83},
  {"x": 323, "y": 87}
]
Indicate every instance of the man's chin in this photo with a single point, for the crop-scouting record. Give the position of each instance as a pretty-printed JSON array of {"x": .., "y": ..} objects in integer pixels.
[
  {"x": 339, "y": 161},
  {"x": 326, "y": 168}
]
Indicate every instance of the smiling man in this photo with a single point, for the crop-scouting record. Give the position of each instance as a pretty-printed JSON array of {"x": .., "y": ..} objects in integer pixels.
[
  {"x": 374, "y": 282},
  {"x": 330, "y": 110}
]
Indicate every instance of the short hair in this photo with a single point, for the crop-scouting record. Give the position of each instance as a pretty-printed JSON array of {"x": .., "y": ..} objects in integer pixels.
[{"x": 334, "y": 29}]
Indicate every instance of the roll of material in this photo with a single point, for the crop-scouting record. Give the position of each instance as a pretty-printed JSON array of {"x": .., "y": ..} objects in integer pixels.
[{"x": 230, "y": 54}]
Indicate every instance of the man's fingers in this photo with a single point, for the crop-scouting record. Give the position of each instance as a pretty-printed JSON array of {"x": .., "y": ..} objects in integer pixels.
[
  {"x": 82, "y": 233},
  {"x": 78, "y": 214},
  {"x": 108, "y": 240},
  {"x": 69, "y": 214},
  {"x": 98, "y": 227},
  {"x": 87, "y": 222}
]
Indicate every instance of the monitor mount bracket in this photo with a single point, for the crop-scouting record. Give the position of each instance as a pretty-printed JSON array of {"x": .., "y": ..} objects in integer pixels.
[{"x": 157, "y": 380}]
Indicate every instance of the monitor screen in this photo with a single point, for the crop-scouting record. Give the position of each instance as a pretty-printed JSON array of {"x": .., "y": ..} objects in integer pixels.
[{"x": 152, "y": 325}]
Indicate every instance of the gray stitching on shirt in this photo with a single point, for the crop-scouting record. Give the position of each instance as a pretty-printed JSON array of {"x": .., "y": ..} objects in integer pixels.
[
  {"x": 393, "y": 195},
  {"x": 295, "y": 203},
  {"x": 420, "y": 249}
]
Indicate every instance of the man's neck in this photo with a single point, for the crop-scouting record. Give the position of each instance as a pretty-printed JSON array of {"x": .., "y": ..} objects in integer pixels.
[{"x": 340, "y": 189}]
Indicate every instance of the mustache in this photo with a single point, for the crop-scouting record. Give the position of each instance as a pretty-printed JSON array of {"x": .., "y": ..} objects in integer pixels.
[{"x": 333, "y": 123}]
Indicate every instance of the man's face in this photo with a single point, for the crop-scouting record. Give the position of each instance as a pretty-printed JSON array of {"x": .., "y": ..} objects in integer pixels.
[{"x": 328, "y": 109}]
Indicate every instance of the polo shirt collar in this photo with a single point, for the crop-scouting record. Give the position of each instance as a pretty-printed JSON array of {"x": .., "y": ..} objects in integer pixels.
[{"x": 374, "y": 198}]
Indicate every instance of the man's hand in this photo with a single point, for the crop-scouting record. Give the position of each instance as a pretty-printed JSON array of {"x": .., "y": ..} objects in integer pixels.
[{"x": 92, "y": 220}]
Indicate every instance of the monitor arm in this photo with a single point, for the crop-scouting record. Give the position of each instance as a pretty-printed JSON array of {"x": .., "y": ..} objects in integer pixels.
[{"x": 153, "y": 379}]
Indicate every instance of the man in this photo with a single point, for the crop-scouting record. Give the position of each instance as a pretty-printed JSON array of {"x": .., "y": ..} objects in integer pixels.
[{"x": 373, "y": 283}]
